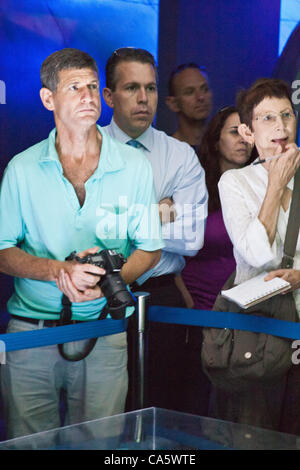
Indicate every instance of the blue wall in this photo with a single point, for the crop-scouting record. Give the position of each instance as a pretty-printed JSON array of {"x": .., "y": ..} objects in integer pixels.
[
  {"x": 30, "y": 30},
  {"x": 236, "y": 40},
  {"x": 289, "y": 18}
]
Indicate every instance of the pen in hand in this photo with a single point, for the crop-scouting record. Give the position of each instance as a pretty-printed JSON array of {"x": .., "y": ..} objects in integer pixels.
[{"x": 268, "y": 159}]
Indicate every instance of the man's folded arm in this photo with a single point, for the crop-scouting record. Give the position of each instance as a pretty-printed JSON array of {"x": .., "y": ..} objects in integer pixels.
[
  {"x": 185, "y": 235},
  {"x": 138, "y": 262}
]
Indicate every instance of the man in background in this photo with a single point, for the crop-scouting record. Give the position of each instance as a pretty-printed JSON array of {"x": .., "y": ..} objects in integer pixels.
[
  {"x": 179, "y": 180},
  {"x": 63, "y": 195},
  {"x": 190, "y": 97}
]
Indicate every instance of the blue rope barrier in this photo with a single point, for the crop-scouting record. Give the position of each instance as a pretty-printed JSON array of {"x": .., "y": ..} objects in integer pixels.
[
  {"x": 183, "y": 316},
  {"x": 62, "y": 334},
  {"x": 237, "y": 321}
]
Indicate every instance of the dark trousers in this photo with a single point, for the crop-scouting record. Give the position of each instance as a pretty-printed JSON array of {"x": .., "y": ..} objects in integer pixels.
[{"x": 174, "y": 375}]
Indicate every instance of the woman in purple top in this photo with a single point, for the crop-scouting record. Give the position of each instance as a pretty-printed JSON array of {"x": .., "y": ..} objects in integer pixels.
[
  {"x": 221, "y": 149},
  {"x": 204, "y": 275}
]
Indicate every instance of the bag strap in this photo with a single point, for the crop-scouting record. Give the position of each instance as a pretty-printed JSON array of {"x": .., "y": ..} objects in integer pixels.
[{"x": 292, "y": 231}]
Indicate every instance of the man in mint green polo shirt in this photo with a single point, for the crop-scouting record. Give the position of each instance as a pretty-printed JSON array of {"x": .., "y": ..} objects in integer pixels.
[{"x": 78, "y": 190}]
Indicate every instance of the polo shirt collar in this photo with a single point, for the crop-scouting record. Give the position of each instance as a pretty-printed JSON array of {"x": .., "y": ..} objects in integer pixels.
[
  {"x": 50, "y": 153},
  {"x": 146, "y": 139},
  {"x": 109, "y": 160}
]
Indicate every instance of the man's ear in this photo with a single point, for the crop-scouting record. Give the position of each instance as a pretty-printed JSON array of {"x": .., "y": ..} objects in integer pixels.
[
  {"x": 47, "y": 98},
  {"x": 171, "y": 102},
  {"x": 107, "y": 95},
  {"x": 246, "y": 133}
]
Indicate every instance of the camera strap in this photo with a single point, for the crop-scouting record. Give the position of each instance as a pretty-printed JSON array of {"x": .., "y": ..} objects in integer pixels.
[
  {"x": 66, "y": 318},
  {"x": 66, "y": 312}
]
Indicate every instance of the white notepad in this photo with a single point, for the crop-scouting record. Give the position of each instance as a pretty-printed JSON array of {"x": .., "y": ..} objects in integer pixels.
[{"x": 255, "y": 290}]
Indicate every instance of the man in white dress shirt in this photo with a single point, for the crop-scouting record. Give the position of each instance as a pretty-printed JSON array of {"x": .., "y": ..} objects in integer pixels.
[{"x": 179, "y": 180}]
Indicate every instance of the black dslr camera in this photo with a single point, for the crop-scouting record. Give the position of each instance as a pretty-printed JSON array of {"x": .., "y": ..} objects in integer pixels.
[{"x": 112, "y": 285}]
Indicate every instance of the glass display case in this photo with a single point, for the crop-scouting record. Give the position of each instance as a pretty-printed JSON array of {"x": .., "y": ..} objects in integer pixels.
[{"x": 155, "y": 429}]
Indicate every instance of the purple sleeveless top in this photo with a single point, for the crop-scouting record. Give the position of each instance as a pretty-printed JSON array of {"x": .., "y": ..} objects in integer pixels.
[{"x": 206, "y": 273}]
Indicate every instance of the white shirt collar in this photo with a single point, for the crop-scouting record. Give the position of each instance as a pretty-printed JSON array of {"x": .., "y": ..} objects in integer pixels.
[{"x": 146, "y": 139}]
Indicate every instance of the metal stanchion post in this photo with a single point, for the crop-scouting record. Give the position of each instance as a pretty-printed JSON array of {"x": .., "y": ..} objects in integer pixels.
[
  {"x": 141, "y": 313},
  {"x": 141, "y": 319}
]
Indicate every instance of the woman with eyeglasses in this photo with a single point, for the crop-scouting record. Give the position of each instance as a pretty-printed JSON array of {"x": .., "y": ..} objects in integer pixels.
[{"x": 255, "y": 203}]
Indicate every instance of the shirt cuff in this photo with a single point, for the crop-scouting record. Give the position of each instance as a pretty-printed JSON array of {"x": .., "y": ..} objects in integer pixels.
[{"x": 169, "y": 263}]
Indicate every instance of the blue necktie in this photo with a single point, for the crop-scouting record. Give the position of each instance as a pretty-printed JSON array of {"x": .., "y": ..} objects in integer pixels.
[{"x": 134, "y": 143}]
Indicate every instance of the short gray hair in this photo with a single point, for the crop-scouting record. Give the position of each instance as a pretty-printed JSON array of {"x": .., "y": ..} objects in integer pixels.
[{"x": 67, "y": 58}]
